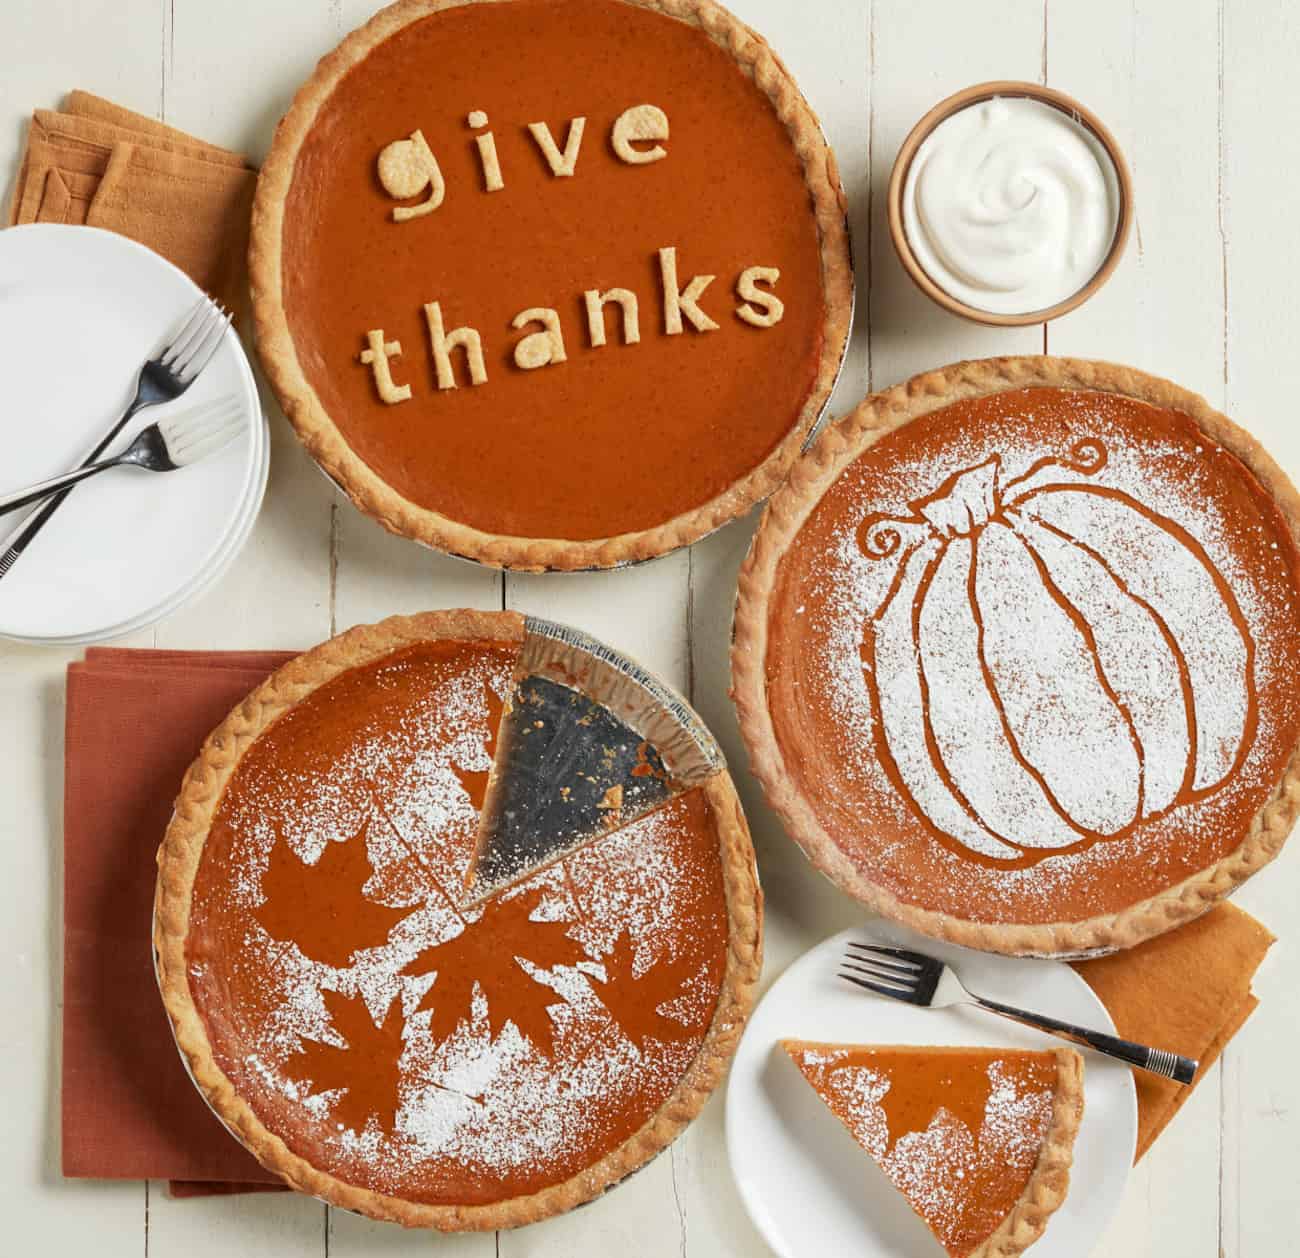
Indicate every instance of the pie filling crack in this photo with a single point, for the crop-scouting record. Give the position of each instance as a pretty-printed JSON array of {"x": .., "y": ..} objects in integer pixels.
[{"x": 375, "y": 1021}]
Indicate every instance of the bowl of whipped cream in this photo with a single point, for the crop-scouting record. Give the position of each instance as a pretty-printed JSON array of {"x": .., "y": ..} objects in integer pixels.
[{"x": 1010, "y": 203}]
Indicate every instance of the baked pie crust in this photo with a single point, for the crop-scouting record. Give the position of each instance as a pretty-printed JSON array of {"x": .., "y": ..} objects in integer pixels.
[
  {"x": 180, "y": 858},
  {"x": 1140, "y": 905},
  {"x": 311, "y": 417}
]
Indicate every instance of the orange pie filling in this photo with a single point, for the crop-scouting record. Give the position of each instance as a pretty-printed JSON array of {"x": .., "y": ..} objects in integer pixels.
[
  {"x": 958, "y": 1131},
  {"x": 552, "y": 305},
  {"x": 1032, "y": 656},
  {"x": 394, "y": 1036}
]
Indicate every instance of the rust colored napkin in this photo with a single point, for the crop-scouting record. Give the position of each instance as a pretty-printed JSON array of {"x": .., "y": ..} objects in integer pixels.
[
  {"x": 99, "y": 164},
  {"x": 1187, "y": 991},
  {"x": 135, "y": 720}
]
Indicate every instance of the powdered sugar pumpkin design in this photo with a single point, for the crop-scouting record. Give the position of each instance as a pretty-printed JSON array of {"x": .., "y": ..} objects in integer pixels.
[
  {"x": 1025, "y": 661},
  {"x": 1054, "y": 661}
]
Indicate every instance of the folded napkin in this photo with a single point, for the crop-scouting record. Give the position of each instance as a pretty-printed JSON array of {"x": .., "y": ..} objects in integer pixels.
[
  {"x": 135, "y": 720},
  {"x": 99, "y": 164},
  {"x": 1187, "y": 991}
]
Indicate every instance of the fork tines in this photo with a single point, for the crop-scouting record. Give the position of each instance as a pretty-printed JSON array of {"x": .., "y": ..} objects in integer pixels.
[
  {"x": 192, "y": 435},
  {"x": 198, "y": 338},
  {"x": 893, "y": 972}
]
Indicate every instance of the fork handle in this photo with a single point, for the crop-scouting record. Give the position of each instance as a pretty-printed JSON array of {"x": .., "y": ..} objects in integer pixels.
[
  {"x": 56, "y": 484},
  {"x": 1157, "y": 1060},
  {"x": 41, "y": 517}
]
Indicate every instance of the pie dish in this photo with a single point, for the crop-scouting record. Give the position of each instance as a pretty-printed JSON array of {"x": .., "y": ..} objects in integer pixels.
[
  {"x": 979, "y": 1140},
  {"x": 543, "y": 319},
  {"x": 389, "y": 1042},
  {"x": 1015, "y": 652}
]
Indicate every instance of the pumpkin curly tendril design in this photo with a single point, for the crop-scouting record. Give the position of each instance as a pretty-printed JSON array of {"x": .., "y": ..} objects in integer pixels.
[{"x": 1053, "y": 662}]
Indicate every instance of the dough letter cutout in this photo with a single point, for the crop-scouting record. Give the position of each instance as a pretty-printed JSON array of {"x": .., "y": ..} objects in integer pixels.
[
  {"x": 442, "y": 342},
  {"x": 761, "y": 308},
  {"x": 678, "y": 302},
  {"x": 562, "y": 164},
  {"x": 376, "y": 358},
  {"x": 537, "y": 349},
  {"x": 487, "y": 152},
  {"x": 596, "y": 303},
  {"x": 641, "y": 122},
  {"x": 406, "y": 168}
]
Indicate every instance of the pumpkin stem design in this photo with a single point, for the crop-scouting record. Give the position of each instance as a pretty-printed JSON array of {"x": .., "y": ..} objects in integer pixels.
[{"x": 1054, "y": 662}]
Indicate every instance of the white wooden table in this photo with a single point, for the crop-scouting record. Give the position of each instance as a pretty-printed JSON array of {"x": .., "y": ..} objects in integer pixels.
[{"x": 1204, "y": 97}]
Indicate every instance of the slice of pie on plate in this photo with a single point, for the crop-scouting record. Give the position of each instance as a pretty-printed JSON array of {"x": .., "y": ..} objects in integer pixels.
[
  {"x": 552, "y": 283},
  {"x": 979, "y": 1140},
  {"x": 397, "y": 1037},
  {"x": 1015, "y": 655}
]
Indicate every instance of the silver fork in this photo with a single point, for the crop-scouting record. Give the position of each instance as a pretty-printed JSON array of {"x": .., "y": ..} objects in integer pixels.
[
  {"x": 175, "y": 441},
  {"x": 174, "y": 366},
  {"x": 928, "y": 982}
]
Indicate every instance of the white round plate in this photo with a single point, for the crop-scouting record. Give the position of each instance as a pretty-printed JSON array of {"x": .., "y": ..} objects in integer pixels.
[
  {"x": 813, "y": 1193},
  {"x": 80, "y": 310},
  {"x": 234, "y": 543}
]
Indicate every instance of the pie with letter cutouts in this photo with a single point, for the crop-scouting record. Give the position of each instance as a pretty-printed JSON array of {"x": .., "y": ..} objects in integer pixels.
[
  {"x": 390, "y": 1032},
  {"x": 1016, "y": 650},
  {"x": 979, "y": 1140},
  {"x": 552, "y": 283}
]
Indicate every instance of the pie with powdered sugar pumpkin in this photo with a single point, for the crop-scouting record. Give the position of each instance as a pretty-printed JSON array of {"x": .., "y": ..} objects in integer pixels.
[
  {"x": 979, "y": 1140},
  {"x": 1016, "y": 650},
  {"x": 393, "y": 1038},
  {"x": 552, "y": 283}
]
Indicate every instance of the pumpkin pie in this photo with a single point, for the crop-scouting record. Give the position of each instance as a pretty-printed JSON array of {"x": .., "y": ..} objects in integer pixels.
[
  {"x": 380, "y": 1036},
  {"x": 979, "y": 1140},
  {"x": 1016, "y": 650},
  {"x": 551, "y": 283}
]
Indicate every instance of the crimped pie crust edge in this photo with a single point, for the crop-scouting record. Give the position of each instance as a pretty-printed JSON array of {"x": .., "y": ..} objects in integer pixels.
[
  {"x": 179, "y": 857},
  {"x": 369, "y": 492}
]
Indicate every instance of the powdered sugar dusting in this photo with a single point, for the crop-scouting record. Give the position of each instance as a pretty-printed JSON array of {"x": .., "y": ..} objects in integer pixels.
[
  {"x": 1074, "y": 655},
  {"x": 946, "y": 1168},
  {"x": 484, "y": 1109}
]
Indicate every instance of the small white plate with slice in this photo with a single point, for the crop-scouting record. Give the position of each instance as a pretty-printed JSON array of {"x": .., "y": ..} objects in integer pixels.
[
  {"x": 80, "y": 310},
  {"x": 814, "y": 1193}
]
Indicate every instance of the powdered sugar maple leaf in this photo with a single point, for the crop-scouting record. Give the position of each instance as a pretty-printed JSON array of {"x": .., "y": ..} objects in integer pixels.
[
  {"x": 632, "y": 1002},
  {"x": 367, "y": 1068},
  {"x": 323, "y": 907},
  {"x": 487, "y": 954}
]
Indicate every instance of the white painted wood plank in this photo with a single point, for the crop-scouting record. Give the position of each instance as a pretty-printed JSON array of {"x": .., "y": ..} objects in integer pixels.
[
  {"x": 830, "y": 58},
  {"x": 62, "y": 1216},
  {"x": 1261, "y": 155},
  {"x": 920, "y": 53},
  {"x": 277, "y": 595},
  {"x": 642, "y": 611},
  {"x": 378, "y": 575},
  {"x": 1164, "y": 112}
]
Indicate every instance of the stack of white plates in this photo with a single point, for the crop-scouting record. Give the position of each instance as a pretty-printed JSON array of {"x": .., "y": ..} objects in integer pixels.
[{"x": 80, "y": 310}]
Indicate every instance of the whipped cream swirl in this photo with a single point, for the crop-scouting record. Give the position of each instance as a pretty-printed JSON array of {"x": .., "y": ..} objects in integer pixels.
[{"x": 1011, "y": 205}]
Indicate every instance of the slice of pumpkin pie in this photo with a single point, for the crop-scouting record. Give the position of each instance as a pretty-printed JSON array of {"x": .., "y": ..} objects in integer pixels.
[{"x": 979, "y": 1140}]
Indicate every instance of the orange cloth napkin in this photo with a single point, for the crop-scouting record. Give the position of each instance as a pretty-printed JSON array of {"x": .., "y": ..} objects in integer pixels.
[
  {"x": 135, "y": 720},
  {"x": 1187, "y": 991},
  {"x": 99, "y": 164}
]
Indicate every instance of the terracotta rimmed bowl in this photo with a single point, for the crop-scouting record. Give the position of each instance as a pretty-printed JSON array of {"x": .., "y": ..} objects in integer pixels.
[{"x": 973, "y": 96}]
